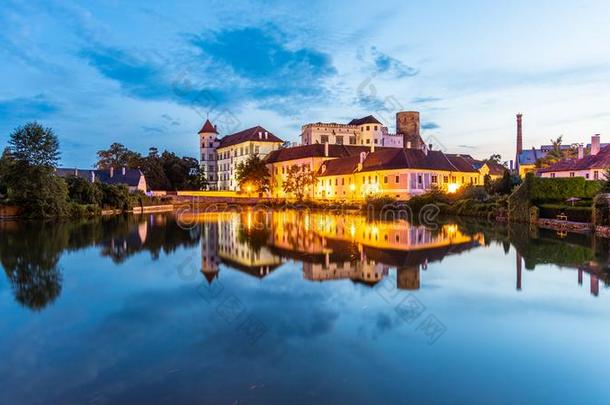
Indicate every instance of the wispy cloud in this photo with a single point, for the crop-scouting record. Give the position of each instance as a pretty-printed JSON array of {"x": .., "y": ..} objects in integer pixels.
[
  {"x": 430, "y": 125},
  {"x": 24, "y": 108},
  {"x": 422, "y": 100},
  {"x": 393, "y": 67}
]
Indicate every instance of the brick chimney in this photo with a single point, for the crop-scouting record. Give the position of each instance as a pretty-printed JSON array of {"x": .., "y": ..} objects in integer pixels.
[
  {"x": 595, "y": 144},
  {"x": 519, "y": 139},
  {"x": 581, "y": 151},
  {"x": 326, "y": 149}
]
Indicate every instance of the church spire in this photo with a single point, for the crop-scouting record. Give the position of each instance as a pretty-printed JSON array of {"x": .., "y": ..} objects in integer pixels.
[{"x": 208, "y": 128}]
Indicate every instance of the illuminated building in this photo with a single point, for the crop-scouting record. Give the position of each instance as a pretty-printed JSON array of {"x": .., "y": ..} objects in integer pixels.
[{"x": 397, "y": 173}]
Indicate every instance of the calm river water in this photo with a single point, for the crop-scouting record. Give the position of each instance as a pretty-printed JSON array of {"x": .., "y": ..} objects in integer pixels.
[{"x": 299, "y": 307}]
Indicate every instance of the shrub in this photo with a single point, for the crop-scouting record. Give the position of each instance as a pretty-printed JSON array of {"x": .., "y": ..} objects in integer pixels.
[
  {"x": 82, "y": 191},
  {"x": 376, "y": 204},
  {"x": 601, "y": 210},
  {"x": 114, "y": 196}
]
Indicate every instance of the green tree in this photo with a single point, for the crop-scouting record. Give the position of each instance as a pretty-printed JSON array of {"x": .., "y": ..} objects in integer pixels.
[
  {"x": 495, "y": 158},
  {"x": 6, "y": 161},
  {"x": 606, "y": 185},
  {"x": 30, "y": 181},
  {"x": 298, "y": 182},
  {"x": 118, "y": 156},
  {"x": 82, "y": 191},
  {"x": 253, "y": 173},
  {"x": 34, "y": 146},
  {"x": 152, "y": 167}
]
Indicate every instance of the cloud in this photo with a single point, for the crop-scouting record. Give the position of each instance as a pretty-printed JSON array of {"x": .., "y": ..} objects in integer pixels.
[
  {"x": 24, "y": 108},
  {"x": 430, "y": 125},
  {"x": 269, "y": 73},
  {"x": 386, "y": 64},
  {"x": 222, "y": 69},
  {"x": 146, "y": 77},
  {"x": 421, "y": 100},
  {"x": 467, "y": 146},
  {"x": 157, "y": 130}
]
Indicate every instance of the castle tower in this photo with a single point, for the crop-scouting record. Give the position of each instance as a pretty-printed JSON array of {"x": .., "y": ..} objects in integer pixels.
[
  {"x": 207, "y": 149},
  {"x": 519, "y": 139},
  {"x": 407, "y": 124}
]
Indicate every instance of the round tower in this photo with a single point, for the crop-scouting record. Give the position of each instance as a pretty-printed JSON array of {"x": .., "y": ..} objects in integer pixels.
[
  {"x": 207, "y": 149},
  {"x": 407, "y": 124}
]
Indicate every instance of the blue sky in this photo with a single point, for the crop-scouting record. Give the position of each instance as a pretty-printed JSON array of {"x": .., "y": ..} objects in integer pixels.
[{"x": 148, "y": 73}]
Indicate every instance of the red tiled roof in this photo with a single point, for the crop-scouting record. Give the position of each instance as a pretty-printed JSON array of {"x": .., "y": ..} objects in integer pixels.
[
  {"x": 395, "y": 158},
  {"x": 316, "y": 150},
  {"x": 463, "y": 164},
  {"x": 208, "y": 128},
  {"x": 256, "y": 133},
  {"x": 599, "y": 161},
  {"x": 369, "y": 119}
]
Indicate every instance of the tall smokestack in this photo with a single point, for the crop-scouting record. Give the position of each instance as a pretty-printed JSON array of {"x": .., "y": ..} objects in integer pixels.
[{"x": 519, "y": 139}]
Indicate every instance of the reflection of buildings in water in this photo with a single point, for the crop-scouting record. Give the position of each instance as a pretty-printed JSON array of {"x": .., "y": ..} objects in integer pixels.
[
  {"x": 229, "y": 239},
  {"x": 350, "y": 247}
]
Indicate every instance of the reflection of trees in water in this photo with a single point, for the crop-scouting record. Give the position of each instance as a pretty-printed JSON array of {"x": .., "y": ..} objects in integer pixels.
[
  {"x": 30, "y": 251},
  {"x": 543, "y": 246}
]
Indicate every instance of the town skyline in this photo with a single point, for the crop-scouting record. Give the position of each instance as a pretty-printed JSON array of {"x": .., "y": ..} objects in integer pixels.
[{"x": 99, "y": 79}]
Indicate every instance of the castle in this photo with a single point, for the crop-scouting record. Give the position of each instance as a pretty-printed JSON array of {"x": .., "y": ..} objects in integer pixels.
[{"x": 351, "y": 161}]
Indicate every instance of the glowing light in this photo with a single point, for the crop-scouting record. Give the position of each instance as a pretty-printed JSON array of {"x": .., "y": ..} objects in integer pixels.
[
  {"x": 452, "y": 187},
  {"x": 352, "y": 187}
]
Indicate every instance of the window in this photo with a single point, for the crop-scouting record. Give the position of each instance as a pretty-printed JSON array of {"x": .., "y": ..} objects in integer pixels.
[
  {"x": 587, "y": 176},
  {"x": 370, "y": 180},
  {"x": 375, "y": 140},
  {"x": 343, "y": 181},
  {"x": 368, "y": 141},
  {"x": 596, "y": 175},
  {"x": 375, "y": 127},
  {"x": 397, "y": 179},
  {"x": 553, "y": 175},
  {"x": 336, "y": 182},
  {"x": 419, "y": 179},
  {"x": 211, "y": 156},
  {"x": 434, "y": 178},
  {"x": 385, "y": 179},
  {"x": 453, "y": 179},
  {"x": 361, "y": 129},
  {"x": 257, "y": 149},
  {"x": 368, "y": 128},
  {"x": 339, "y": 140},
  {"x": 352, "y": 140},
  {"x": 445, "y": 179},
  {"x": 571, "y": 174},
  {"x": 463, "y": 180},
  {"x": 323, "y": 138}
]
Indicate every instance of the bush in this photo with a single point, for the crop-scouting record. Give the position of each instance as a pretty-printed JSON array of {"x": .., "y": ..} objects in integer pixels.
[
  {"x": 601, "y": 210},
  {"x": 115, "y": 196},
  {"x": 84, "y": 210},
  {"x": 575, "y": 214},
  {"x": 82, "y": 191},
  {"x": 376, "y": 204}
]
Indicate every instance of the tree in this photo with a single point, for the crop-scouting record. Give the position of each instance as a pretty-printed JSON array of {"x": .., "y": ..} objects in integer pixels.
[
  {"x": 34, "y": 146},
  {"x": 30, "y": 181},
  {"x": 82, "y": 191},
  {"x": 6, "y": 160},
  {"x": 118, "y": 156},
  {"x": 606, "y": 185},
  {"x": 253, "y": 174},
  {"x": 557, "y": 153},
  {"x": 298, "y": 182},
  {"x": 495, "y": 158}
]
